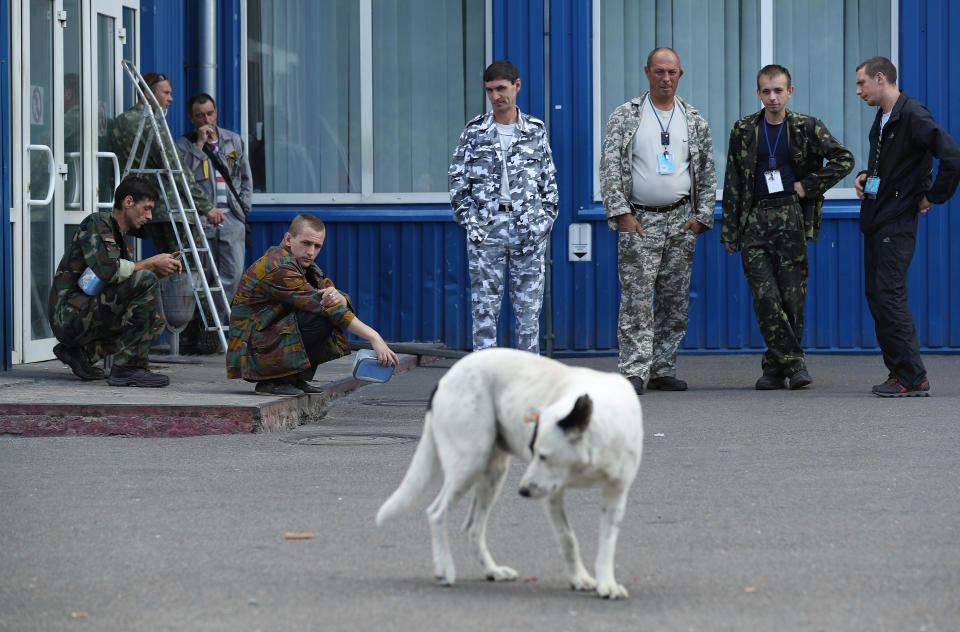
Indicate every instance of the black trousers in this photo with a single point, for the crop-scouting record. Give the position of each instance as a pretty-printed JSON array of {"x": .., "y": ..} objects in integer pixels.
[
  {"x": 314, "y": 330},
  {"x": 886, "y": 256}
]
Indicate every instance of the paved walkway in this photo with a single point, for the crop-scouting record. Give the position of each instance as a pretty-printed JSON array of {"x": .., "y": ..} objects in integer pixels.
[{"x": 45, "y": 398}]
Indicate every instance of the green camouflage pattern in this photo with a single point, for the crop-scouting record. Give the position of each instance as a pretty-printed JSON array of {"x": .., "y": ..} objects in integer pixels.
[
  {"x": 264, "y": 341},
  {"x": 122, "y": 134},
  {"x": 123, "y": 319},
  {"x": 475, "y": 174},
  {"x": 616, "y": 176},
  {"x": 774, "y": 258},
  {"x": 810, "y": 144}
]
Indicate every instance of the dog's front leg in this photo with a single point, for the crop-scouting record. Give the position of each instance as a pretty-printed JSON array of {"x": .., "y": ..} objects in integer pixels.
[
  {"x": 578, "y": 575},
  {"x": 614, "y": 503}
]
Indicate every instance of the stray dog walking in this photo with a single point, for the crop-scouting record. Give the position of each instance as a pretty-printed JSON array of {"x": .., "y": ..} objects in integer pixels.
[{"x": 576, "y": 427}]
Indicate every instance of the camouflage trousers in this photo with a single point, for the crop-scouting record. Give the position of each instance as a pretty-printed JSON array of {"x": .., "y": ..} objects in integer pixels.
[
  {"x": 774, "y": 256},
  {"x": 498, "y": 254},
  {"x": 654, "y": 292},
  {"x": 122, "y": 320}
]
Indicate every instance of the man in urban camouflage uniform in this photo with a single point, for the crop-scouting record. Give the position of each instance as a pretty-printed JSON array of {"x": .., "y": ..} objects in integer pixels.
[
  {"x": 772, "y": 204},
  {"x": 503, "y": 192},
  {"x": 287, "y": 317},
  {"x": 659, "y": 188},
  {"x": 122, "y": 317},
  {"x": 158, "y": 230}
]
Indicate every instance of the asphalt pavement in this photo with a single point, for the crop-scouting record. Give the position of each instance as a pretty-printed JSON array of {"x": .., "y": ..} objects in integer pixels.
[{"x": 822, "y": 509}]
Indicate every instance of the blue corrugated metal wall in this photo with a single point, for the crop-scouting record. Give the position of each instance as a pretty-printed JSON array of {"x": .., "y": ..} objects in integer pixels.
[
  {"x": 405, "y": 266},
  {"x": 6, "y": 241}
]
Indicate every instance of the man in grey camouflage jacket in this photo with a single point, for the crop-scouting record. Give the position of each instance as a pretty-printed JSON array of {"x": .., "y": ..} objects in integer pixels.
[
  {"x": 503, "y": 192},
  {"x": 659, "y": 190}
]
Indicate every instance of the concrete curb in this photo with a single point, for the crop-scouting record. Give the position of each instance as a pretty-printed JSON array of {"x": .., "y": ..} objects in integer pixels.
[{"x": 177, "y": 420}]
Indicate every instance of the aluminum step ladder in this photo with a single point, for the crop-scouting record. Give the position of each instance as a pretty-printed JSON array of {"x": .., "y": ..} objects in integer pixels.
[{"x": 154, "y": 129}]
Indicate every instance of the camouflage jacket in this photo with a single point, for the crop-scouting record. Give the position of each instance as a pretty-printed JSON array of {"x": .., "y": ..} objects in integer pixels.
[
  {"x": 810, "y": 143},
  {"x": 100, "y": 245},
  {"x": 616, "y": 175},
  {"x": 475, "y": 175},
  {"x": 122, "y": 134},
  {"x": 264, "y": 341}
]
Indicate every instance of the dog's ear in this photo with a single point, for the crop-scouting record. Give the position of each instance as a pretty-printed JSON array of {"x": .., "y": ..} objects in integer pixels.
[{"x": 579, "y": 417}]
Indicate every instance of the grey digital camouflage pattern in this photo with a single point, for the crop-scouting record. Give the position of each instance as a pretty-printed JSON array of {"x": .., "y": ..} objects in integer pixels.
[
  {"x": 513, "y": 241},
  {"x": 488, "y": 263},
  {"x": 654, "y": 271}
]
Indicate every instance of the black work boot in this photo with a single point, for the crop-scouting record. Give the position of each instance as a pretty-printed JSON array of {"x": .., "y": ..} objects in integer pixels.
[
  {"x": 770, "y": 381},
  {"x": 280, "y": 386},
  {"x": 136, "y": 376},
  {"x": 76, "y": 359}
]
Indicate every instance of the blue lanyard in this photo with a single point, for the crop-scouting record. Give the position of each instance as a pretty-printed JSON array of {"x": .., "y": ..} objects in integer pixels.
[
  {"x": 664, "y": 133},
  {"x": 773, "y": 157}
]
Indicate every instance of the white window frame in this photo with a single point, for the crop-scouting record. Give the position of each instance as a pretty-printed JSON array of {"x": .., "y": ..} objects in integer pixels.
[
  {"x": 366, "y": 195},
  {"x": 766, "y": 57}
]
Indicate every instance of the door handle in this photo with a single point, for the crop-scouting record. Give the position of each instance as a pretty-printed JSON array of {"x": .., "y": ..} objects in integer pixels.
[
  {"x": 53, "y": 173},
  {"x": 116, "y": 175}
]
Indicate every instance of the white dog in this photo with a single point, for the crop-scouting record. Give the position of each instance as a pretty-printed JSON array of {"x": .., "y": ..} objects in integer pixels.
[{"x": 576, "y": 427}]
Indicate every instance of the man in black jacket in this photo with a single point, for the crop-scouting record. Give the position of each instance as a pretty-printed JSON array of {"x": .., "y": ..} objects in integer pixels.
[{"x": 894, "y": 189}]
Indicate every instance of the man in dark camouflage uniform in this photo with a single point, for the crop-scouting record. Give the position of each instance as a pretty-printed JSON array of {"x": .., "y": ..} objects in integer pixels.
[
  {"x": 659, "y": 189},
  {"x": 503, "y": 192},
  {"x": 287, "y": 317},
  {"x": 159, "y": 229},
  {"x": 122, "y": 317},
  {"x": 772, "y": 204}
]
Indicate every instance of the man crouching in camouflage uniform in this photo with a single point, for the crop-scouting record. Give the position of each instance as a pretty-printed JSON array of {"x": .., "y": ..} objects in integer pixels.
[
  {"x": 772, "y": 204},
  {"x": 659, "y": 189},
  {"x": 287, "y": 317},
  {"x": 117, "y": 311},
  {"x": 503, "y": 193}
]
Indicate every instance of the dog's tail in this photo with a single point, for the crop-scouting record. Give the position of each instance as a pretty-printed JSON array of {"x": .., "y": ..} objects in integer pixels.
[{"x": 423, "y": 468}]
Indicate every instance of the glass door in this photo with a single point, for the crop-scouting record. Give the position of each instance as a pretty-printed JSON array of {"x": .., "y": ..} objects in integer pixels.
[
  {"x": 68, "y": 55},
  {"x": 42, "y": 172}
]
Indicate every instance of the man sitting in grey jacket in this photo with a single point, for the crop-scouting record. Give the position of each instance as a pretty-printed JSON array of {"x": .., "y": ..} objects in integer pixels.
[{"x": 219, "y": 162}]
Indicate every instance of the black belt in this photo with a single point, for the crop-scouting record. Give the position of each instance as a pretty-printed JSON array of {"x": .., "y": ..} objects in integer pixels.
[
  {"x": 506, "y": 208},
  {"x": 778, "y": 201},
  {"x": 661, "y": 209}
]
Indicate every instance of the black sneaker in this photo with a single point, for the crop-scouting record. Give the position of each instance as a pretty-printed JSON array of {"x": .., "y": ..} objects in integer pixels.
[
  {"x": 769, "y": 382},
  {"x": 890, "y": 380},
  {"x": 637, "y": 383},
  {"x": 277, "y": 387},
  {"x": 136, "y": 376},
  {"x": 893, "y": 388},
  {"x": 307, "y": 387},
  {"x": 667, "y": 383},
  {"x": 800, "y": 379},
  {"x": 76, "y": 359}
]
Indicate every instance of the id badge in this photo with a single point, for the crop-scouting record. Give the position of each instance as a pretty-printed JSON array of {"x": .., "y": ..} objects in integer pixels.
[
  {"x": 872, "y": 185},
  {"x": 664, "y": 164},
  {"x": 774, "y": 183}
]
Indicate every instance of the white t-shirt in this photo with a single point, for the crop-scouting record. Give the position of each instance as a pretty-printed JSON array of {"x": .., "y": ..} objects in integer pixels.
[
  {"x": 649, "y": 187},
  {"x": 506, "y": 139}
]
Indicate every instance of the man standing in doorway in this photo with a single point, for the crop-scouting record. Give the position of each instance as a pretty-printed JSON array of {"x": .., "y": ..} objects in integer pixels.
[
  {"x": 503, "y": 192},
  {"x": 894, "y": 190},
  {"x": 218, "y": 160},
  {"x": 158, "y": 230},
  {"x": 659, "y": 189},
  {"x": 772, "y": 204}
]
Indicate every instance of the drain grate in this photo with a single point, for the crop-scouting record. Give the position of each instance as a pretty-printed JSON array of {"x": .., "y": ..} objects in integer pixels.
[
  {"x": 351, "y": 438},
  {"x": 403, "y": 403}
]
